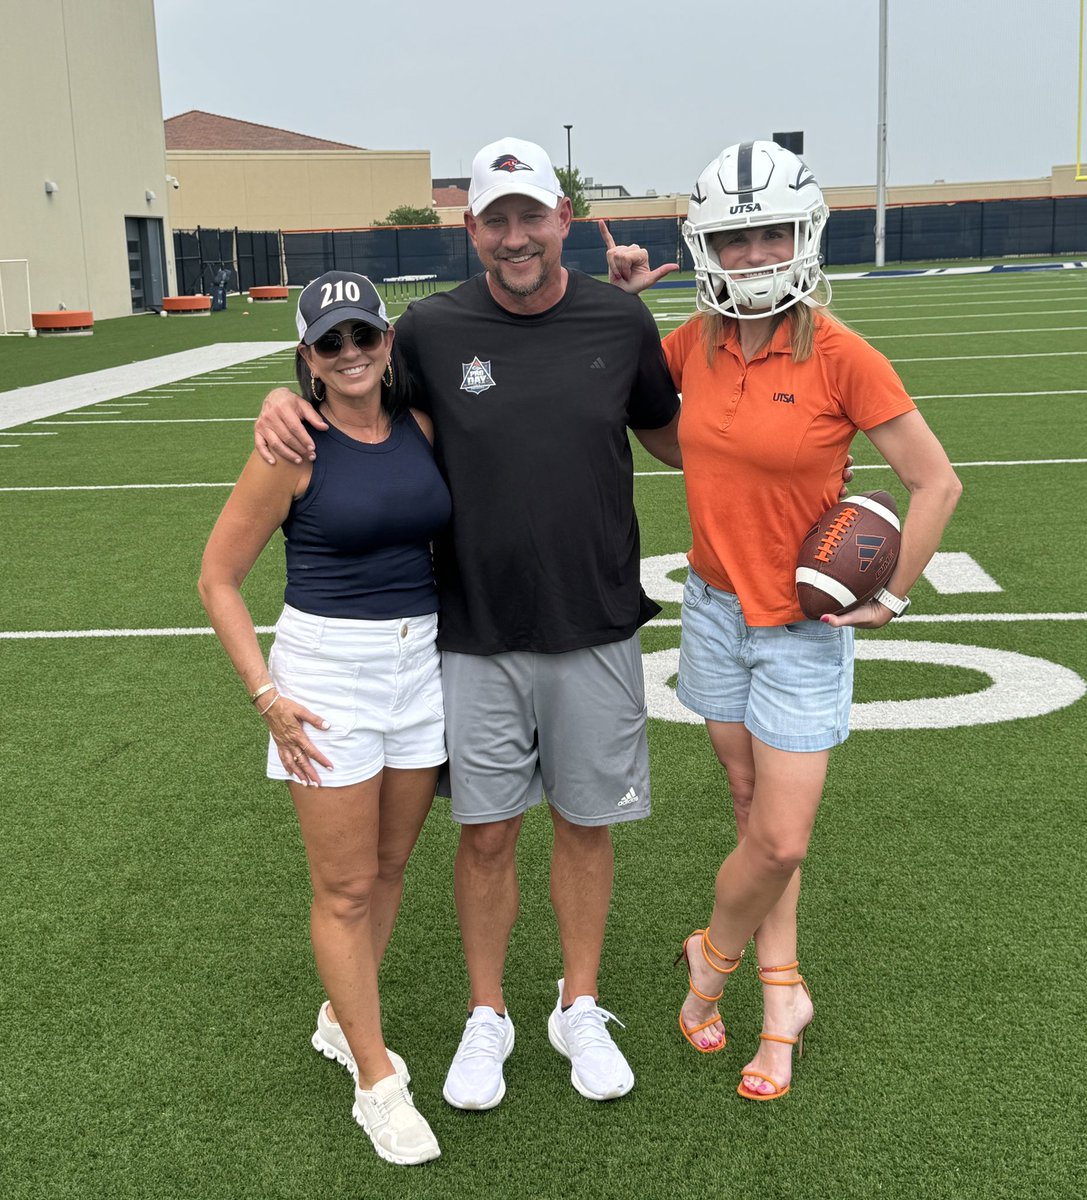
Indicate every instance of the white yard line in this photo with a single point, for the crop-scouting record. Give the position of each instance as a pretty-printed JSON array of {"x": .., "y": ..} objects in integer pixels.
[
  {"x": 135, "y": 487},
  {"x": 884, "y": 337},
  {"x": 110, "y": 487},
  {"x": 1018, "y": 462},
  {"x": 855, "y": 311},
  {"x": 114, "y": 487},
  {"x": 992, "y": 357},
  {"x": 150, "y": 421},
  {"x": 291, "y": 383},
  {"x": 16, "y": 635},
  {"x": 919, "y": 619},
  {"x": 993, "y": 395},
  {"x": 860, "y": 319}
]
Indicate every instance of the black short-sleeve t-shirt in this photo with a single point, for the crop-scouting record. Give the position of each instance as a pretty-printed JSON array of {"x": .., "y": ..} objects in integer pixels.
[{"x": 530, "y": 418}]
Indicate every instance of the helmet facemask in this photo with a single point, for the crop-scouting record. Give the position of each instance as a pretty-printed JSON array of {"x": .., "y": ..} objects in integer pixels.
[{"x": 771, "y": 187}]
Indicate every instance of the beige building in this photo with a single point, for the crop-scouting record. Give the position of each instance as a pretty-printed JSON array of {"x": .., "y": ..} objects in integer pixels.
[
  {"x": 1061, "y": 183},
  {"x": 84, "y": 180},
  {"x": 237, "y": 173}
]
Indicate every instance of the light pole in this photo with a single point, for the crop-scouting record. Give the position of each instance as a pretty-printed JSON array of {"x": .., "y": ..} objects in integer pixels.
[
  {"x": 881, "y": 142},
  {"x": 569, "y": 160}
]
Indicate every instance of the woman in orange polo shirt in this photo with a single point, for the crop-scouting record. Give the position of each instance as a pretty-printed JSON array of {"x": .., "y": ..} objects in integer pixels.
[{"x": 774, "y": 390}]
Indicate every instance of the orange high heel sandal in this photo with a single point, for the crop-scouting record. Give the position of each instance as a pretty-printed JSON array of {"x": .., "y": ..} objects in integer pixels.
[
  {"x": 797, "y": 1041},
  {"x": 708, "y": 948}
]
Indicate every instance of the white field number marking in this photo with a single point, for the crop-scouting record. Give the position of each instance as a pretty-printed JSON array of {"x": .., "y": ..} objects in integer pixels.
[
  {"x": 950, "y": 573},
  {"x": 1021, "y": 685}
]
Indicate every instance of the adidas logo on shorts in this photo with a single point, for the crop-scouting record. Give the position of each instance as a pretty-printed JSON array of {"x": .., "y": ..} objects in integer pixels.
[{"x": 630, "y": 798}]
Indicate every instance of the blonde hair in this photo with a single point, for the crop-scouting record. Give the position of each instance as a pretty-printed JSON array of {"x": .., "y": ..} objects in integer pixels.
[{"x": 803, "y": 319}]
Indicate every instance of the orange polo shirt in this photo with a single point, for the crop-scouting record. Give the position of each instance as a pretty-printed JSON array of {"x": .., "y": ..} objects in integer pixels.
[{"x": 764, "y": 444}]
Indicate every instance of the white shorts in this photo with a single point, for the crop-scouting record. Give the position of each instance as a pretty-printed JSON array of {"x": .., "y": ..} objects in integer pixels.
[{"x": 378, "y": 684}]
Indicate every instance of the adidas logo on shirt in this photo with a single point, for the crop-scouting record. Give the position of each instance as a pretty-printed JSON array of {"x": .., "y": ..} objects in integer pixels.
[
  {"x": 597, "y": 364},
  {"x": 630, "y": 798}
]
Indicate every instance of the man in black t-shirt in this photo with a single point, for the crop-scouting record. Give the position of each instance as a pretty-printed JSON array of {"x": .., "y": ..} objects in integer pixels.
[{"x": 534, "y": 374}]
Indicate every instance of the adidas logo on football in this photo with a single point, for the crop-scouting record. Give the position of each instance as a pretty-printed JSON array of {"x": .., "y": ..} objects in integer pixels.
[
  {"x": 630, "y": 798},
  {"x": 596, "y": 365}
]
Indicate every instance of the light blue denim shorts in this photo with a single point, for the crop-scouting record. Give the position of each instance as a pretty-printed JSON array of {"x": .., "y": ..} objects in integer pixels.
[{"x": 791, "y": 686}]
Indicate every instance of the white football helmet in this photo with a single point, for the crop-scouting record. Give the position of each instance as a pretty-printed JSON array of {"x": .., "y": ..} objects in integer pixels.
[{"x": 748, "y": 185}]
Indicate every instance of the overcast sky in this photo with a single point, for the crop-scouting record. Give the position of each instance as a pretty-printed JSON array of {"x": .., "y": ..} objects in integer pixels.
[{"x": 977, "y": 89}]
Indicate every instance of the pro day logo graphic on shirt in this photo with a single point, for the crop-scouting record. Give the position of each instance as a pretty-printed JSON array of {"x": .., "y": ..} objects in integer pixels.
[{"x": 477, "y": 376}]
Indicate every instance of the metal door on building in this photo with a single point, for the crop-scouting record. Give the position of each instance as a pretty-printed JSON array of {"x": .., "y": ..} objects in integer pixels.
[{"x": 146, "y": 262}]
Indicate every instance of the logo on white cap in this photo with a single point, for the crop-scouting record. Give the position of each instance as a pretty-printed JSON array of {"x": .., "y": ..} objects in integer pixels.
[{"x": 509, "y": 162}]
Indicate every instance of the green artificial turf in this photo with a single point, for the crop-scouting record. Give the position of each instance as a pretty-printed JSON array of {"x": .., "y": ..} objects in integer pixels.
[{"x": 159, "y": 993}]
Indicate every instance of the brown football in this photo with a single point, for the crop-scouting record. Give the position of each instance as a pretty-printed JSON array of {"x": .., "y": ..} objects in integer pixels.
[{"x": 848, "y": 554}]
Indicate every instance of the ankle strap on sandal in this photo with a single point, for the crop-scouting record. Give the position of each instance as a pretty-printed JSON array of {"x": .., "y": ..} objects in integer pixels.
[
  {"x": 709, "y": 948},
  {"x": 765, "y": 971}
]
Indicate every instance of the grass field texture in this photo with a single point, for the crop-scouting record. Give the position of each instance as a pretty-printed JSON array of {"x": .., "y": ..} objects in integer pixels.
[{"x": 158, "y": 990}]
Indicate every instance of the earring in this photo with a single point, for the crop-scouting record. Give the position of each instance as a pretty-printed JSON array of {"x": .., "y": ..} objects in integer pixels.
[
  {"x": 387, "y": 378},
  {"x": 314, "y": 384}
]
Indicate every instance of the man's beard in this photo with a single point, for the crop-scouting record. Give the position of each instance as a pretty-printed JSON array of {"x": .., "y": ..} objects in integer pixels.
[{"x": 520, "y": 289}]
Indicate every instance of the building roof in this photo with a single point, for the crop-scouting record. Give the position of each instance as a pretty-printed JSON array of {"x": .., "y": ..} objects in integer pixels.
[
  {"x": 450, "y": 197},
  {"x": 196, "y": 130}
]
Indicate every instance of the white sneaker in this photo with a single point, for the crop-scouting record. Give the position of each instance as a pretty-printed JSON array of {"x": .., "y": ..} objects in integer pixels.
[
  {"x": 328, "y": 1039},
  {"x": 400, "y": 1134},
  {"x": 475, "y": 1075},
  {"x": 597, "y": 1067}
]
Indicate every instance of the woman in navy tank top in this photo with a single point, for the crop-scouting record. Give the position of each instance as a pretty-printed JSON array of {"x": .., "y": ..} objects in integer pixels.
[{"x": 351, "y": 691}]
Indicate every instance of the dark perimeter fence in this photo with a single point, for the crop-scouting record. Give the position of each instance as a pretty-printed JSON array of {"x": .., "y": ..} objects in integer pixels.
[
  {"x": 253, "y": 257},
  {"x": 914, "y": 233}
]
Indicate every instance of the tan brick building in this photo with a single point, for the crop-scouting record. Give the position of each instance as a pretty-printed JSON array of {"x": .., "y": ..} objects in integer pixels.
[{"x": 238, "y": 173}]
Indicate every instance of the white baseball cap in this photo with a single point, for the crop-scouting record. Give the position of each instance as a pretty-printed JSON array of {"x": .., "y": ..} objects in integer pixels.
[{"x": 511, "y": 167}]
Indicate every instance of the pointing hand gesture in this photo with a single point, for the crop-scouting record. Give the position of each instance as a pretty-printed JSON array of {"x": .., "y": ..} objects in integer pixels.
[{"x": 628, "y": 266}]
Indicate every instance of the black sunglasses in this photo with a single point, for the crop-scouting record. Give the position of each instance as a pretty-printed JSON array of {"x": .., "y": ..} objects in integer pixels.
[{"x": 365, "y": 337}]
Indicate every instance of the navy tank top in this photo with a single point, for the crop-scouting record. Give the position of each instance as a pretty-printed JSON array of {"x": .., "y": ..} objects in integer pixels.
[{"x": 358, "y": 538}]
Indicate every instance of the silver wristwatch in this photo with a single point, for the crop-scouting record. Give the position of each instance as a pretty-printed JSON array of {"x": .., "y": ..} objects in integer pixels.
[{"x": 897, "y": 604}]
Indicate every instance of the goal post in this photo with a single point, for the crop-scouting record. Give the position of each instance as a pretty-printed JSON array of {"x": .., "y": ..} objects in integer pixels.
[{"x": 15, "y": 307}]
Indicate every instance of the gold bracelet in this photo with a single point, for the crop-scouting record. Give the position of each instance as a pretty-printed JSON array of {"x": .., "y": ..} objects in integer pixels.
[
  {"x": 262, "y": 711},
  {"x": 255, "y": 696}
]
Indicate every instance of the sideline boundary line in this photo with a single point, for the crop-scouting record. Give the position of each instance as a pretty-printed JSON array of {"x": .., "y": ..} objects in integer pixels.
[{"x": 22, "y": 405}]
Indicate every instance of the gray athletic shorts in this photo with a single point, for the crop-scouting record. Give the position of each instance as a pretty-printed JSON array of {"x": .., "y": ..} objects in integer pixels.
[{"x": 572, "y": 725}]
